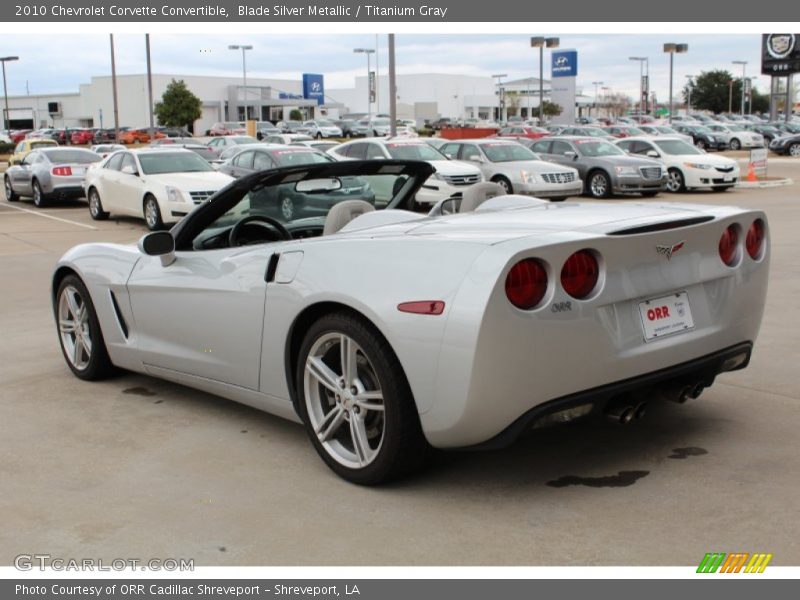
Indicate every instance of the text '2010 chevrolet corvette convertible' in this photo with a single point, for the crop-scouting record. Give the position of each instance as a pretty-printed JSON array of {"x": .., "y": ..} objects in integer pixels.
[{"x": 388, "y": 332}]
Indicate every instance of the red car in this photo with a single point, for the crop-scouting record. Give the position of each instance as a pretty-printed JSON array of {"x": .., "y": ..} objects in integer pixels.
[
  {"x": 623, "y": 131},
  {"x": 80, "y": 137},
  {"x": 532, "y": 133},
  {"x": 19, "y": 135}
]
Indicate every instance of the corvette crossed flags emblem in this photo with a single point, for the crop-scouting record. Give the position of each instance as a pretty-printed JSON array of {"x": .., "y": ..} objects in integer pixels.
[{"x": 668, "y": 251}]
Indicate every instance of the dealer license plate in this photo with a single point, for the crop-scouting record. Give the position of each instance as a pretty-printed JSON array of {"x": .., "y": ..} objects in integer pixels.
[{"x": 666, "y": 315}]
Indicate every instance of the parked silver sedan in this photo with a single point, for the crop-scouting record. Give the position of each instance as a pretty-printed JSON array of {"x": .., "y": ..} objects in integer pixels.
[
  {"x": 48, "y": 174},
  {"x": 516, "y": 168}
]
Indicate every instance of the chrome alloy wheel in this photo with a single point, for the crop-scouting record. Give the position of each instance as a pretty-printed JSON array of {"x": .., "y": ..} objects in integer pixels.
[
  {"x": 344, "y": 400},
  {"x": 674, "y": 180},
  {"x": 73, "y": 327},
  {"x": 287, "y": 209},
  {"x": 151, "y": 213},
  {"x": 94, "y": 203},
  {"x": 599, "y": 185}
]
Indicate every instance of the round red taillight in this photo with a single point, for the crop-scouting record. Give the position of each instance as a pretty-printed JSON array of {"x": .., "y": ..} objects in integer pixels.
[
  {"x": 579, "y": 274},
  {"x": 526, "y": 283},
  {"x": 754, "y": 241},
  {"x": 727, "y": 245}
]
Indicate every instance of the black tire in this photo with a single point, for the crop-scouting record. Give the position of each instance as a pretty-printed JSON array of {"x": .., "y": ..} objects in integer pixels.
[
  {"x": 319, "y": 135},
  {"x": 96, "y": 206},
  {"x": 701, "y": 144},
  {"x": 598, "y": 184},
  {"x": 259, "y": 136},
  {"x": 722, "y": 188},
  {"x": 348, "y": 135},
  {"x": 504, "y": 183},
  {"x": 403, "y": 448},
  {"x": 11, "y": 195},
  {"x": 99, "y": 365},
  {"x": 676, "y": 182},
  {"x": 736, "y": 144},
  {"x": 793, "y": 150},
  {"x": 649, "y": 194},
  {"x": 39, "y": 197},
  {"x": 152, "y": 219}
]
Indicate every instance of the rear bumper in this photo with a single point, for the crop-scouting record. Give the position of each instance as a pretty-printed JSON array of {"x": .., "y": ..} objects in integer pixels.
[
  {"x": 700, "y": 370},
  {"x": 66, "y": 191}
]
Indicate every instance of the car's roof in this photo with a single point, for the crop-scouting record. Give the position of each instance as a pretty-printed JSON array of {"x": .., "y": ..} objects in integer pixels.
[
  {"x": 652, "y": 140},
  {"x": 160, "y": 150}
]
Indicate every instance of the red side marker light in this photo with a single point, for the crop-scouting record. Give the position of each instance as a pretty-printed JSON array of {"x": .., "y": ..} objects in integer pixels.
[{"x": 422, "y": 307}]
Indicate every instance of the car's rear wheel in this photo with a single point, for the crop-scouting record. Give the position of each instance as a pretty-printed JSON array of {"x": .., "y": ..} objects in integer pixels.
[
  {"x": 79, "y": 331},
  {"x": 736, "y": 144},
  {"x": 356, "y": 403},
  {"x": 319, "y": 135},
  {"x": 96, "y": 206},
  {"x": 794, "y": 150},
  {"x": 701, "y": 144},
  {"x": 599, "y": 185},
  {"x": 504, "y": 183},
  {"x": 152, "y": 213},
  {"x": 11, "y": 195},
  {"x": 39, "y": 198},
  {"x": 675, "y": 181}
]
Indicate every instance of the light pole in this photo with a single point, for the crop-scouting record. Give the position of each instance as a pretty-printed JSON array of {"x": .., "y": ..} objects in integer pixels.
[
  {"x": 673, "y": 49},
  {"x": 367, "y": 51},
  {"x": 744, "y": 66},
  {"x": 4, "y": 60},
  {"x": 244, "y": 49},
  {"x": 541, "y": 43},
  {"x": 500, "y": 99},
  {"x": 642, "y": 60},
  {"x": 689, "y": 94},
  {"x": 596, "y": 84}
]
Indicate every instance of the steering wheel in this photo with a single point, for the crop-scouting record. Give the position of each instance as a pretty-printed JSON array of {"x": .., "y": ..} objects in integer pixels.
[{"x": 233, "y": 236}]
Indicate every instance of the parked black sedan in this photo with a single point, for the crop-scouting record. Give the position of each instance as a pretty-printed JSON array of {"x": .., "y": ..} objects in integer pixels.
[{"x": 702, "y": 136}]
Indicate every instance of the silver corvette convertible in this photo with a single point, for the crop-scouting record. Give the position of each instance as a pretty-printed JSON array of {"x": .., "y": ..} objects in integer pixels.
[{"x": 388, "y": 332}]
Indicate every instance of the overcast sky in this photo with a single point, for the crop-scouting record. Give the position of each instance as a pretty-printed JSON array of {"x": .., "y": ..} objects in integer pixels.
[{"x": 65, "y": 61}]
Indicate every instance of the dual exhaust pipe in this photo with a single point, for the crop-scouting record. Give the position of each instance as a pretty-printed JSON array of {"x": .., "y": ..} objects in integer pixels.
[{"x": 625, "y": 410}]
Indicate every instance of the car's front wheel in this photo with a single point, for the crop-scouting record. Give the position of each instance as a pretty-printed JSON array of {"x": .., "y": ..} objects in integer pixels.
[
  {"x": 736, "y": 144},
  {"x": 96, "y": 206},
  {"x": 675, "y": 181},
  {"x": 504, "y": 183},
  {"x": 79, "y": 331},
  {"x": 356, "y": 403},
  {"x": 11, "y": 195},
  {"x": 152, "y": 213},
  {"x": 599, "y": 185},
  {"x": 794, "y": 150},
  {"x": 701, "y": 144}
]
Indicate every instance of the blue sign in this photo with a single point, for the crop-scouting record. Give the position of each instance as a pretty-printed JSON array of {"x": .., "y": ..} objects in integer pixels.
[
  {"x": 288, "y": 96},
  {"x": 313, "y": 87},
  {"x": 564, "y": 64}
]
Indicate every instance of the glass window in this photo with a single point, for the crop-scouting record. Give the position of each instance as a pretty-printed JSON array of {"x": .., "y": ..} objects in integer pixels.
[
  {"x": 374, "y": 151},
  {"x": 244, "y": 160},
  {"x": 413, "y": 151},
  {"x": 72, "y": 156},
  {"x": 156, "y": 163},
  {"x": 676, "y": 147},
  {"x": 115, "y": 162},
  {"x": 542, "y": 146},
  {"x": 356, "y": 151},
  {"x": 450, "y": 150},
  {"x": 507, "y": 152},
  {"x": 470, "y": 151},
  {"x": 299, "y": 156},
  {"x": 597, "y": 148},
  {"x": 128, "y": 161},
  {"x": 560, "y": 147},
  {"x": 262, "y": 161}
]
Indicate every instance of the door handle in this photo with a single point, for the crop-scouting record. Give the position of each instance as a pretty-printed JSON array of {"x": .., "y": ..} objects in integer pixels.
[{"x": 272, "y": 267}]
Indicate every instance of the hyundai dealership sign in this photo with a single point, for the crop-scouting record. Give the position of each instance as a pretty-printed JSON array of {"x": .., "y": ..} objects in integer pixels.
[
  {"x": 313, "y": 87},
  {"x": 565, "y": 64}
]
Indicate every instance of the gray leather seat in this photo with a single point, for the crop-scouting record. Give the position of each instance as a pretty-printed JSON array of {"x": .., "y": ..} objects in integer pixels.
[
  {"x": 477, "y": 194},
  {"x": 344, "y": 212}
]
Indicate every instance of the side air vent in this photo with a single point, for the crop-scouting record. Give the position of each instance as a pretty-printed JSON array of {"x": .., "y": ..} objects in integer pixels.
[
  {"x": 664, "y": 226},
  {"x": 120, "y": 319}
]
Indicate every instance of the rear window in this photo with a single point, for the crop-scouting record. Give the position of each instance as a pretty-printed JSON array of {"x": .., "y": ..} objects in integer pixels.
[
  {"x": 288, "y": 158},
  {"x": 414, "y": 152},
  {"x": 172, "y": 162},
  {"x": 72, "y": 156}
]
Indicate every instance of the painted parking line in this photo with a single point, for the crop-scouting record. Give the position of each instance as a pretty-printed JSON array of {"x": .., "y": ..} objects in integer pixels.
[{"x": 46, "y": 216}]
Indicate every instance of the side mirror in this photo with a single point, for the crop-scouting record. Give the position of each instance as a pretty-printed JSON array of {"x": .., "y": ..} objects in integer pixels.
[
  {"x": 653, "y": 154},
  {"x": 128, "y": 170},
  {"x": 159, "y": 243},
  {"x": 571, "y": 154}
]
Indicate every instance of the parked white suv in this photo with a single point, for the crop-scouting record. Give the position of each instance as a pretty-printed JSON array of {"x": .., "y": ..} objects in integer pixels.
[
  {"x": 320, "y": 128},
  {"x": 452, "y": 177}
]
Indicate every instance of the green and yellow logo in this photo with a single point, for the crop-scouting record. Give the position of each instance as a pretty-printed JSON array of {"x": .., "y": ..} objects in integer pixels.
[{"x": 738, "y": 562}]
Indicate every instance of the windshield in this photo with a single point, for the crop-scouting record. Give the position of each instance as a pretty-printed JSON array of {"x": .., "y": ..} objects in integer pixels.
[
  {"x": 591, "y": 148},
  {"x": 666, "y": 130},
  {"x": 72, "y": 156},
  {"x": 287, "y": 158},
  {"x": 243, "y": 139},
  {"x": 414, "y": 152},
  {"x": 676, "y": 147},
  {"x": 204, "y": 151},
  {"x": 157, "y": 163},
  {"x": 507, "y": 152},
  {"x": 591, "y": 131},
  {"x": 701, "y": 129}
]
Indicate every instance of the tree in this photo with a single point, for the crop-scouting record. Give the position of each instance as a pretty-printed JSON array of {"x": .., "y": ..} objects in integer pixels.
[
  {"x": 617, "y": 104},
  {"x": 295, "y": 115},
  {"x": 551, "y": 109},
  {"x": 179, "y": 107},
  {"x": 759, "y": 102},
  {"x": 717, "y": 91}
]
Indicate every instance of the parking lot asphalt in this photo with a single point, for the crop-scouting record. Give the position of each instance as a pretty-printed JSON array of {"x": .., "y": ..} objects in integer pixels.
[{"x": 135, "y": 467}]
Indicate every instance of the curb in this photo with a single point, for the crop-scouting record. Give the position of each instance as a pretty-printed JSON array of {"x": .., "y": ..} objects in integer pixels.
[{"x": 764, "y": 184}]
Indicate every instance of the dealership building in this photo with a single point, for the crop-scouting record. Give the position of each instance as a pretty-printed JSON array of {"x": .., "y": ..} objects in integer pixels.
[{"x": 419, "y": 96}]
